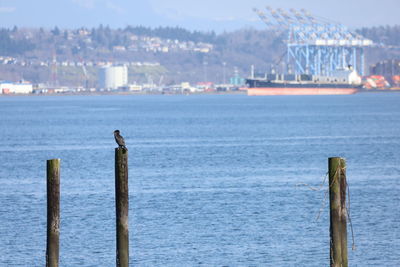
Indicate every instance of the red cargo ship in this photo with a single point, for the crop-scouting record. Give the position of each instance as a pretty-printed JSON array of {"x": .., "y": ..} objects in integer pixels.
[{"x": 342, "y": 82}]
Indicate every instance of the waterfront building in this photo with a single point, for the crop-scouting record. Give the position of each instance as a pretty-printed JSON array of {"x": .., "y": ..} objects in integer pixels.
[
  {"x": 113, "y": 77},
  {"x": 15, "y": 88}
]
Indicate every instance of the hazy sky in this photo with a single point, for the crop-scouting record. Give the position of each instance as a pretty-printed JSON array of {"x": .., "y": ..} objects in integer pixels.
[{"x": 216, "y": 15}]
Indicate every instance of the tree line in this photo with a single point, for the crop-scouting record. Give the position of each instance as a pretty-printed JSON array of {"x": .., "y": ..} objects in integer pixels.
[
  {"x": 12, "y": 43},
  {"x": 12, "y": 47},
  {"x": 386, "y": 35}
]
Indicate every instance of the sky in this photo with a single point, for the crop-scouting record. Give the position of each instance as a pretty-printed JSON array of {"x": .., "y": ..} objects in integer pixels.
[{"x": 204, "y": 15}]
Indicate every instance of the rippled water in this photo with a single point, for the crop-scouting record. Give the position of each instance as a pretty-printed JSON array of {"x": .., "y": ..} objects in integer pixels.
[{"x": 214, "y": 180}]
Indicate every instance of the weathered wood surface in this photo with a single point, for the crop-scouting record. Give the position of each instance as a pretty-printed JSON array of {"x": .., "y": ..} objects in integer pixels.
[
  {"x": 122, "y": 206},
  {"x": 338, "y": 212},
  {"x": 53, "y": 213}
]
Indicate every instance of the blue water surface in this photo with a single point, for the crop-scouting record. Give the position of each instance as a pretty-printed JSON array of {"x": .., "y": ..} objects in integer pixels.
[{"x": 215, "y": 180}]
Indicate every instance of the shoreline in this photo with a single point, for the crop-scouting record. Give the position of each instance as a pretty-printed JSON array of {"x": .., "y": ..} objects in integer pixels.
[{"x": 240, "y": 92}]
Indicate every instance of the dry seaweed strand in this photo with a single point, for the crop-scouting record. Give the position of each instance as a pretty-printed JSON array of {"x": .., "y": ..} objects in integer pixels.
[
  {"x": 325, "y": 198},
  {"x": 353, "y": 246}
]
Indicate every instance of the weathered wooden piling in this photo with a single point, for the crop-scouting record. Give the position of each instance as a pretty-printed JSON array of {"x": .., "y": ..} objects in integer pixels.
[
  {"x": 53, "y": 213},
  {"x": 122, "y": 206},
  {"x": 338, "y": 212}
]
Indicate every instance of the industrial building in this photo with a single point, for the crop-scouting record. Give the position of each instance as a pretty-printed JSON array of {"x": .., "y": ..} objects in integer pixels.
[
  {"x": 15, "y": 88},
  {"x": 385, "y": 74},
  {"x": 113, "y": 77},
  {"x": 387, "y": 68}
]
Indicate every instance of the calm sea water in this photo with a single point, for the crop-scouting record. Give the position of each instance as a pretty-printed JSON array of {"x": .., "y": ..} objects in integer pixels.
[{"x": 214, "y": 180}]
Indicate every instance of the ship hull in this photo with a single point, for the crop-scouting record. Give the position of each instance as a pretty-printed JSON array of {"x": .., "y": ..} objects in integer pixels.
[{"x": 300, "y": 91}]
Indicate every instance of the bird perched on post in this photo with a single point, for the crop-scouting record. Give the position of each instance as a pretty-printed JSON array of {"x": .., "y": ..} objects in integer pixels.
[{"x": 119, "y": 139}]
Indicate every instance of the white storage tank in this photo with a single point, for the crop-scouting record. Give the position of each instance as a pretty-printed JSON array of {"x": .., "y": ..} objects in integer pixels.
[{"x": 113, "y": 77}]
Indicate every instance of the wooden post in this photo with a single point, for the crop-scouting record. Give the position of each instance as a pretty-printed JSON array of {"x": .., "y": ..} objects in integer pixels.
[
  {"x": 53, "y": 213},
  {"x": 122, "y": 206},
  {"x": 338, "y": 212}
]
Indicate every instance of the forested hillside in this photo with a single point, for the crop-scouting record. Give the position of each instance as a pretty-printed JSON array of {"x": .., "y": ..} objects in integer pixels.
[{"x": 184, "y": 55}]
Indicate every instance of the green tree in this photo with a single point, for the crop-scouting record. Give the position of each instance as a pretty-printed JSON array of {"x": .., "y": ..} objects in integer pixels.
[{"x": 56, "y": 31}]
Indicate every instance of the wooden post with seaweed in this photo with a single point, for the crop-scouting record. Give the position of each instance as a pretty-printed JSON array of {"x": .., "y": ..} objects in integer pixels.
[
  {"x": 53, "y": 213},
  {"x": 338, "y": 212},
  {"x": 122, "y": 206}
]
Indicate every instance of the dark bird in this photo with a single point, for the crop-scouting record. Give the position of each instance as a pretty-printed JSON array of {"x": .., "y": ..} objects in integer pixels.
[{"x": 119, "y": 139}]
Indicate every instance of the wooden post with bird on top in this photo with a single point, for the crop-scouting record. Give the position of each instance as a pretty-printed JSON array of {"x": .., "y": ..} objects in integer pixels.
[{"x": 121, "y": 201}]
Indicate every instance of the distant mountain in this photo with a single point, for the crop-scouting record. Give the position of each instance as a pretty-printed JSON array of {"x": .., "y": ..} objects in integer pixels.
[{"x": 115, "y": 13}]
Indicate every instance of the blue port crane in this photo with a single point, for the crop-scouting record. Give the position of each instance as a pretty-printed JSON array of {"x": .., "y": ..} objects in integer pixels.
[{"x": 314, "y": 45}]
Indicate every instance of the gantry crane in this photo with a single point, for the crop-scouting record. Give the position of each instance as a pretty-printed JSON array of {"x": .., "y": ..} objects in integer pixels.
[{"x": 316, "y": 46}]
